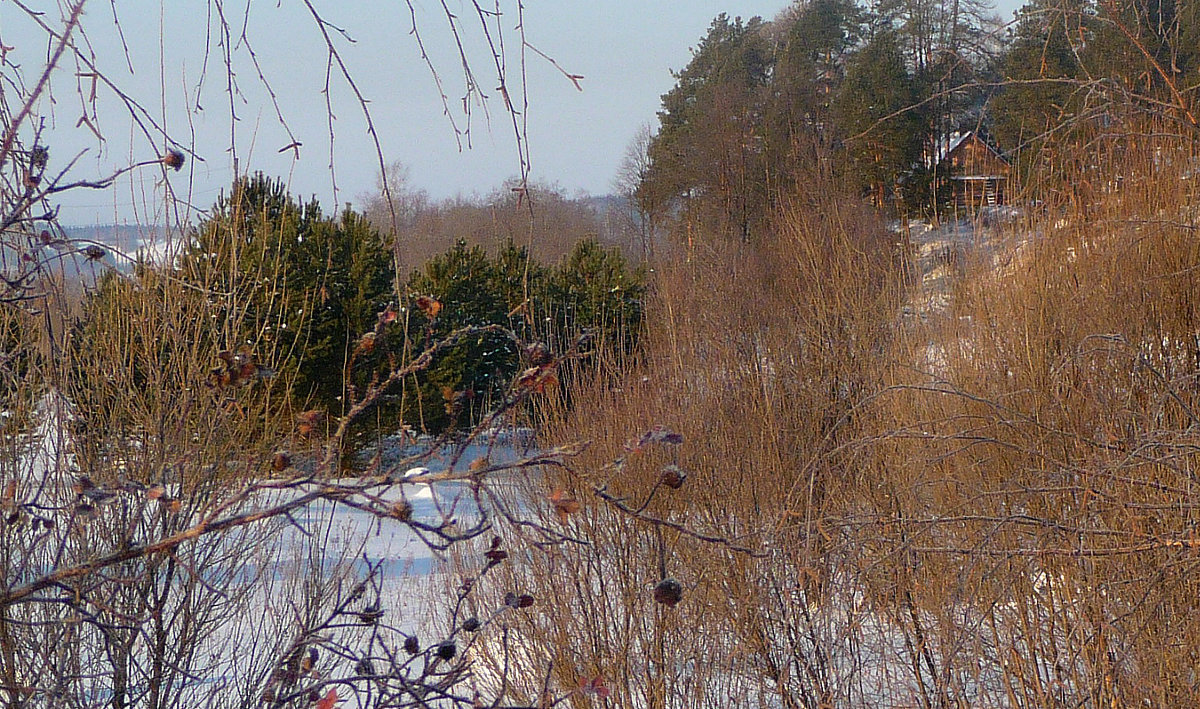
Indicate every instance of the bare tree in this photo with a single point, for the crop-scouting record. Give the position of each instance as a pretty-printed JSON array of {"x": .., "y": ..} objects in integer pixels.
[{"x": 639, "y": 210}]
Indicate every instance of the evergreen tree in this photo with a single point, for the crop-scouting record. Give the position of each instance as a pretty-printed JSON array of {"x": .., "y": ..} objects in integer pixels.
[
  {"x": 707, "y": 160},
  {"x": 1040, "y": 69},
  {"x": 468, "y": 378},
  {"x": 594, "y": 289},
  {"x": 309, "y": 285},
  {"x": 883, "y": 139},
  {"x": 811, "y": 66}
]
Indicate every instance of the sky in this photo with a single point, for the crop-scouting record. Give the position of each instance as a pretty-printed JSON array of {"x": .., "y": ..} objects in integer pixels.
[{"x": 168, "y": 55}]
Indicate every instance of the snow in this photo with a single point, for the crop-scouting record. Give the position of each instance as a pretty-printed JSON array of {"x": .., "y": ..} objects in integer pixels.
[
  {"x": 946, "y": 145},
  {"x": 46, "y": 464},
  {"x": 260, "y": 582}
]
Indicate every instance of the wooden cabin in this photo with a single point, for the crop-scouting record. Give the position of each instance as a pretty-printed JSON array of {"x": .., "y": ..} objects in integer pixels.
[{"x": 978, "y": 172}]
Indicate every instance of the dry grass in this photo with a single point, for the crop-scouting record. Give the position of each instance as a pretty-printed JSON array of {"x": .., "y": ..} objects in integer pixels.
[
  {"x": 1042, "y": 484},
  {"x": 1015, "y": 528}
]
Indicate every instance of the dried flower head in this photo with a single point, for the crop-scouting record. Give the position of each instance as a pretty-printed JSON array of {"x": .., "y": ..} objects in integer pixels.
[
  {"x": 668, "y": 592},
  {"x": 173, "y": 159},
  {"x": 672, "y": 477}
]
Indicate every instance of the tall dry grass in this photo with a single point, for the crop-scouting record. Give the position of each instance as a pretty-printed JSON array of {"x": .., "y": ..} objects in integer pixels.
[
  {"x": 991, "y": 507},
  {"x": 759, "y": 356},
  {"x": 126, "y": 441},
  {"x": 1040, "y": 471}
]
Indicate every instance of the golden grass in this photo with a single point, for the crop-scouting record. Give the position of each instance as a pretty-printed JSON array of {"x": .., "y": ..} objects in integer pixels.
[{"x": 1013, "y": 528}]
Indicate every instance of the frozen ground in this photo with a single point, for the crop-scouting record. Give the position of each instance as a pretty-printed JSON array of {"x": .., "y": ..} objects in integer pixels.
[{"x": 282, "y": 567}]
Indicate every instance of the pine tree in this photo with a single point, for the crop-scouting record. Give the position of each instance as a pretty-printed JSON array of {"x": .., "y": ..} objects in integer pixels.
[
  {"x": 471, "y": 376},
  {"x": 310, "y": 285},
  {"x": 882, "y": 136},
  {"x": 707, "y": 160},
  {"x": 1041, "y": 68},
  {"x": 811, "y": 66}
]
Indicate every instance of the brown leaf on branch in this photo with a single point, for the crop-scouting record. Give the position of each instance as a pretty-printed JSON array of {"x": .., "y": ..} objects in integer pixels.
[
  {"x": 537, "y": 380},
  {"x": 329, "y": 701},
  {"x": 595, "y": 685},
  {"x": 564, "y": 506},
  {"x": 429, "y": 305},
  {"x": 308, "y": 421},
  {"x": 238, "y": 369}
]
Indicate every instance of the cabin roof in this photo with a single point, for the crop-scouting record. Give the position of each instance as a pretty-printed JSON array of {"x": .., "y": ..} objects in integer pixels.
[{"x": 951, "y": 142}]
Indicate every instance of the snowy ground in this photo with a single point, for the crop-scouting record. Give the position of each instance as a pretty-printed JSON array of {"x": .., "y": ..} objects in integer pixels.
[{"x": 323, "y": 550}]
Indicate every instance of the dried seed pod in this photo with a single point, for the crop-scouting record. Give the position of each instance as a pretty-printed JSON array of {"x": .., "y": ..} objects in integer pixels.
[
  {"x": 471, "y": 624},
  {"x": 370, "y": 615},
  {"x": 668, "y": 592},
  {"x": 39, "y": 155},
  {"x": 310, "y": 661},
  {"x": 294, "y": 660},
  {"x": 672, "y": 477},
  {"x": 495, "y": 554},
  {"x": 173, "y": 159},
  {"x": 538, "y": 354},
  {"x": 412, "y": 645},
  {"x": 281, "y": 461},
  {"x": 307, "y": 422},
  {"x": 401, "y": 510},
  {"x": 447, "y": 650}
]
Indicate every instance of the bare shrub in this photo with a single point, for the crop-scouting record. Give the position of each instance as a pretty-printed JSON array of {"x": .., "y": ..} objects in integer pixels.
[
  {"x": 757, "y": 357},
  {"x": 1032, "y": 524},
  {"x": 160, "y": 502}
]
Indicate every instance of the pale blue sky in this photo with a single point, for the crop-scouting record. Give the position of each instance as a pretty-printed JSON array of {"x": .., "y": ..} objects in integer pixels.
[{"x": 624, "y": 49}]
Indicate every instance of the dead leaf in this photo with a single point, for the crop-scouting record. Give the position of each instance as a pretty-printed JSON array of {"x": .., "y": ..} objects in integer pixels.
[
  {"x": 429, "y": 305},
  {"x": 308, "y": 421},
  {"x": 596, "y": 686},
  {"x": 329, "y": 701},
  {"x": 564, "y": 506},
  {"x": 537, "y": 379}
]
